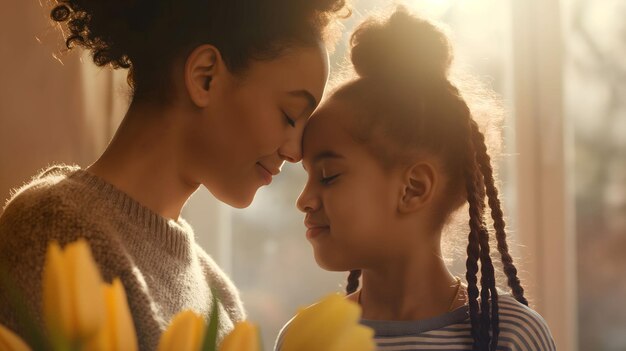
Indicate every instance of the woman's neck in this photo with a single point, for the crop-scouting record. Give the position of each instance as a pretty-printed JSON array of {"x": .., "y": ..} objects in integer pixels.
[
  {"x": 416, "y": 287},
  {"x": 143, "y": 160}
]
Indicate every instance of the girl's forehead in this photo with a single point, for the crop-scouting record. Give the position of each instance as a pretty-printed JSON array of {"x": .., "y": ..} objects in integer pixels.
[{"x": 328, "y": 132}]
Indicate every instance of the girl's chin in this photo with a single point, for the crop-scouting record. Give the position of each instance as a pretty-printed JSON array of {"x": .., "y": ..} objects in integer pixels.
[{"x": 330, "y": 265}]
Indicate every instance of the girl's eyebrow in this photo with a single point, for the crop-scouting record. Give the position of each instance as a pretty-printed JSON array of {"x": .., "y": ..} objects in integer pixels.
[
  {"x": 323, "y": 155},
  {"x": 326, "y": 154},
  {"x": 311, "y": 101}
]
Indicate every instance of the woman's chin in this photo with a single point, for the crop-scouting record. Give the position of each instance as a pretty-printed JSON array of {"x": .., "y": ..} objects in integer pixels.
[
  {"x": 237, "y": 200},
  {"x": 241, "y": 202}
]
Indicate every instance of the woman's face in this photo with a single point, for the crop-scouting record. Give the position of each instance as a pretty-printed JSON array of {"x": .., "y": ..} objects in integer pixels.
[{"x": 255, "y": 122}]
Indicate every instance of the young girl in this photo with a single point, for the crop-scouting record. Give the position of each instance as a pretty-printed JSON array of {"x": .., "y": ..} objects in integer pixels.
[
  {"x": 390, "y": 156},
  {"x": 221, "y": 91}
]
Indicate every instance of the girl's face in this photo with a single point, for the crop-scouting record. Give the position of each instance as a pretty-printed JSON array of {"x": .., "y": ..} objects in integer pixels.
[
  {"x": 255, "y": 122},
  {"x": 350, "y": 200}
]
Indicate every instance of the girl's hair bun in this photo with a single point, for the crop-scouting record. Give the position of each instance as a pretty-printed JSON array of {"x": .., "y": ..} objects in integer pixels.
[{"x": 401, "y": 47}]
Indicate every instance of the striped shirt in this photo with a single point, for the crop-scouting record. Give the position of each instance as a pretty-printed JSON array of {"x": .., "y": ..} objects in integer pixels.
[{"x": 521, "y": 329}]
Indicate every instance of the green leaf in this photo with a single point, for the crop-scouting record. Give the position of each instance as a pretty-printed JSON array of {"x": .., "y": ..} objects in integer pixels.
[
  {"x": 210, "y": 335},
  {"x": 34, "y": 335},
  {"x": 260, "y": 338}
]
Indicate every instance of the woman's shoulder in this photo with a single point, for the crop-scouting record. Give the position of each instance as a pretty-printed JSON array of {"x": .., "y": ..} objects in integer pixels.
[
  {"x": 43, "y": 210},
  {"x": 36, "y": 214},
  {"x": 47, "y": 186},
  {"x": 521, "y": 327}
]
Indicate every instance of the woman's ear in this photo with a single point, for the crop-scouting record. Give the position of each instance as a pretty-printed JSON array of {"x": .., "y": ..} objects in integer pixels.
[
  {"x": 418, "y": 185},
  {"x": 201, "y": 68}
]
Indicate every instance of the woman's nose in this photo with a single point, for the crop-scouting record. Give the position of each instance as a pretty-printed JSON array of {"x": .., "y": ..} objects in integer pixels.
[{"x": 291, "y": 150}]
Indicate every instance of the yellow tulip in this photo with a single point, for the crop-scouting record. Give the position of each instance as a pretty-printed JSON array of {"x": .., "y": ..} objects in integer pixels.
[
  {"x": 118, "y": 331},
  {"x": 10, "y": 341},
  {"x": 185, "y": 333},
  {"x": 354, "y": 338},
  {"x": 245, "y": 337},
  {"x": 330, "y": 325},
  {"x": 73, "y": 303}
]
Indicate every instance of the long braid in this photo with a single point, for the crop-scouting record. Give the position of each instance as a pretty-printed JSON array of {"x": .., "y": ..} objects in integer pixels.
[
  {"x": 478, "y": 245},
  {"x": 353, "y": 281},
  {"x": 484, "y": 162},
  {"x": 487, "y": 270},
  {"x": 486, "y": 266},
  {"x": 473, "y": 250},
  {"x": 488, "y": 278},
  {"x": 486, "y": 282},
  {"x": 489, "y": 293}
]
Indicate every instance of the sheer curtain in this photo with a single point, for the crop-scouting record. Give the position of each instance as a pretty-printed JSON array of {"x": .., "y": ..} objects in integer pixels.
[
  {"x": 595, "y": 105},
  {"x": 54, "y": 106}
]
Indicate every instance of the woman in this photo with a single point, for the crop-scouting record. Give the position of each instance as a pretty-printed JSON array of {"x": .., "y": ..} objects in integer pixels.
[{"x": 221, "y": 91}]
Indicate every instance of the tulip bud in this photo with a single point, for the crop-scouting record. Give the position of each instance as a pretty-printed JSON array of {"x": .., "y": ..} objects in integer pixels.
[
  {"x": 73, "y": 303},
  {"x": 11, "y": 342},
  {"x": 118, "y": 331},
  {"x": 356, "y": 337},
  {"x": 327, "y": 325},
  {"x": 185, "y": 333},
  {"x": 245, "y": 337}
]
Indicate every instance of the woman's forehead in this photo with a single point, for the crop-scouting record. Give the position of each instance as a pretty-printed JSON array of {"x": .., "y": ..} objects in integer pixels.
[{"x": 297, "y": 69}]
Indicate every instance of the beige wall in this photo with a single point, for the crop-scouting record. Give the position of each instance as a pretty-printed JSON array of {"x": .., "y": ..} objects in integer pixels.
[{"x": 43, "y": 118}]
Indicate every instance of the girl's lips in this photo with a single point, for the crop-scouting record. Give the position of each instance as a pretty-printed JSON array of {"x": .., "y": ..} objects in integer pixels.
[{"x": 314, "y": 232}]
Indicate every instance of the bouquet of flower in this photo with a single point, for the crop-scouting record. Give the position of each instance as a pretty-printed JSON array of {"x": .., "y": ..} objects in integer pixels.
[{"x": 83, "y": 313}]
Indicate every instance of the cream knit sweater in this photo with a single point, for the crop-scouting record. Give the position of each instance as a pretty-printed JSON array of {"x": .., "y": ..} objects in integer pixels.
[{"x": 162, "y": 268}]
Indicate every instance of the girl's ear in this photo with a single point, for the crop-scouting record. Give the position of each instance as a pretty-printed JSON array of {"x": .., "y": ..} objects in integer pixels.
[
  {"x": 418, "y": 185},
  {"x": 203, "y": 66}
]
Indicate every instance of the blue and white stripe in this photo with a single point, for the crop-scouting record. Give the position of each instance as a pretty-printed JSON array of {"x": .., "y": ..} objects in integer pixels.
[{"x": 521, "y": 329}]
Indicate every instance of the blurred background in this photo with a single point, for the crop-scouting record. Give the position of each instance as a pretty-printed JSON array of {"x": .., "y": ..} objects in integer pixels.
[{"x": 560, "y": 68}]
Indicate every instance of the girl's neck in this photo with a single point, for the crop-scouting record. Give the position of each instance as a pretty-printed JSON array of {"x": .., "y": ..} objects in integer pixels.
[
  {"x": 414, "y": 289},
  {"x": 143, "y": 160}
]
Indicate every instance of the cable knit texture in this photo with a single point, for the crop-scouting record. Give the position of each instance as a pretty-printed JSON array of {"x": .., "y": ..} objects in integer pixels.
[{"x": 162, "y": 268}]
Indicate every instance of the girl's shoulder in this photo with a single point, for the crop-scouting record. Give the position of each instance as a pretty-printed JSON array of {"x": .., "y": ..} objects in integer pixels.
[{"x": 521, "y": 327}]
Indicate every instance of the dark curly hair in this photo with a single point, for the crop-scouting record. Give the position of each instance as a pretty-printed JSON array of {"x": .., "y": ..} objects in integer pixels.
[
  {"x": 407, "y": 103},
  {"x": 146, "y": 36}
]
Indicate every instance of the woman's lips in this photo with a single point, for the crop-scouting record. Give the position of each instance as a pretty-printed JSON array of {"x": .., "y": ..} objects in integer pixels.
[{"x": 265, "y": 174}]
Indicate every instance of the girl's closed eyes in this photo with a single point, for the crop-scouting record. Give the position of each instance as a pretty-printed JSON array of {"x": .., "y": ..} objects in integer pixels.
[{"x": 328, "y": 180}]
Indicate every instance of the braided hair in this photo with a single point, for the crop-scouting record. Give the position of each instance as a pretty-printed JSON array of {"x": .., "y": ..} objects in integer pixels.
[{"x": 402, "y": 65}]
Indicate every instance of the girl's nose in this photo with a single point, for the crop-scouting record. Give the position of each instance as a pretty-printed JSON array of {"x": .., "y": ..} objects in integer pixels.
[{"x": 307, "y": 201}]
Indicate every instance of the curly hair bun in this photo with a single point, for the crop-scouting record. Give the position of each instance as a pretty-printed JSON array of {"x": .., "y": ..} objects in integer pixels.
[{"x": 400, "y": 47}]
